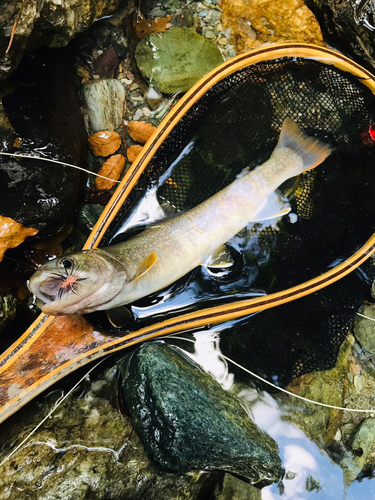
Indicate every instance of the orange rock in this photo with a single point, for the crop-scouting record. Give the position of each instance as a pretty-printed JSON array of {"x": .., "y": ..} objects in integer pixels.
[
  {"x": 140, "y": 131},
  {"x": 104, "y": 143},
  {"x": 269, "y": 21},
  {"x": 112, "y": 168},
  {"x": 12, "y": 234},
  {"x": 133, "y": 151}
]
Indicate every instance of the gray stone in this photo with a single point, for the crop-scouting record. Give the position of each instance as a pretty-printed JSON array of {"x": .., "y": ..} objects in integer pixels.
[
  {"x": 364, "y": 329},
  {"x": 173, "y": 61},
  {"x": 44, "y": 22},
  {"x": 187, "y": 422},
  {"x": 86, "y": 450},
  {"x": 104, "y": 102}
]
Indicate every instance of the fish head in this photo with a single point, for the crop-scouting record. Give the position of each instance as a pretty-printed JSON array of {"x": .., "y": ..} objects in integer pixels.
[{"x": 78, "y": 283}]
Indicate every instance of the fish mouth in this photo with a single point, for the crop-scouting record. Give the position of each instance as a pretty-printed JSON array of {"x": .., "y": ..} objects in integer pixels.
[{"x": 65, "y": 306}]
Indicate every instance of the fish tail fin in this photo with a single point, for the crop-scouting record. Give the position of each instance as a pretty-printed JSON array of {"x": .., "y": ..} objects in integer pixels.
[{"x": 311, "y": 150}]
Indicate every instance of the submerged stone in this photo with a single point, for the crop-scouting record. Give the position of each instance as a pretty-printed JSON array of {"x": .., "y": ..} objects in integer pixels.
[
  {"x": 176, "y": 59},
  {"x": 364, "y": 328},
  {"x": 187, "y": 422}
]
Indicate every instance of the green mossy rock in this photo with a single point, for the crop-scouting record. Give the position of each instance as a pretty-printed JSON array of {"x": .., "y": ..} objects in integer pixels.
[
  {"x": 187, "y": 422},
  {"x": 176, "y": 59}
]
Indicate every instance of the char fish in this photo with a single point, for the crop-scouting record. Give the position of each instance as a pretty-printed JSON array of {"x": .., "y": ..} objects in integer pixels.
[{"x": 108, "y": 277}]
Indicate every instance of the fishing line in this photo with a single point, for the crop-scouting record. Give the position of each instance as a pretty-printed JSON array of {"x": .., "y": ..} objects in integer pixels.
[
  {"x": 56, "y": 405},
  {"x": 277, "y": 387},
  {"x": 367, "y": 317},
  {"x": 18, "y": 155}
]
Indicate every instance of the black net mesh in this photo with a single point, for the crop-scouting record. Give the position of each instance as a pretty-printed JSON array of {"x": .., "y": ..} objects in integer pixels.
[{"x": 235, "y": 125}]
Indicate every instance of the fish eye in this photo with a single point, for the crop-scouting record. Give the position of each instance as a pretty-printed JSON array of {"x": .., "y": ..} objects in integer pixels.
[{"x": 66, "y": 263}]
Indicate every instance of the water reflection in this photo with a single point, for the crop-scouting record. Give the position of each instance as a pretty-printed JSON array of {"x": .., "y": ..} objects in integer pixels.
[{"x": 309, "y": 471}]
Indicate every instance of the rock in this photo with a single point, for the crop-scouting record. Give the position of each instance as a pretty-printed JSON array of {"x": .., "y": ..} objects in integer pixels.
[
  {"x": 45, "y": 22},
  {"x": 187, "y": 422},
  {"x": 235, "y": 489},
  {"x": 107, "y": 63},
  {"x": 349, "y": 26},
  {"x": 364, "y": 329},
  {"x": 46, "y": 119},
  {"x": 173, "y": 61},
  {"x": 86, "y": 450},
  {"x": 360, "y": 446},
  {"x": 268, "y": 21},
  {"x": 8, "y": 307},
  {"x": 103, "y": 104}
]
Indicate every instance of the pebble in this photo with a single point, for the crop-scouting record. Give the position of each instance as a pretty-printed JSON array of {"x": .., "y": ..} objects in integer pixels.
[
  {"x": 222, "y": 41},
  {"x": 146, "y": 112},
  {"x": 232, "y": 53},
  {"x": 219, "y": 27},
  {"x": 203, "y": 13},
  {"x": 209, "y": 34},
  {"x": 126, "y": 81},
  {"x": 138, "y": 114}
]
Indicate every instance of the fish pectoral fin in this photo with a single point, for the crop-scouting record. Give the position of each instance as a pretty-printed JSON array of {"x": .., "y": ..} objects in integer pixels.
[
  {"x": 146, "y": 265},
  {"x": 119, "y": 316},
  {"x": 221, "y": 258},
  {"x": 276, "y": 206}
]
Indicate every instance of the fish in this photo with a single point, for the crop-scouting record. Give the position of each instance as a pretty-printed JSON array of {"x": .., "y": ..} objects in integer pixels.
[{"x": 118, "y": 275}]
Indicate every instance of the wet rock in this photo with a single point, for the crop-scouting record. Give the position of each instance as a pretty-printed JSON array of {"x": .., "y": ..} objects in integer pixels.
[
  {"x": 173, "y": 61},
  {"x": 8, "y": 307},
  {"x": 360, "y": 446},
  {"x": 103, "y": 104},
  {"x": 235, "y": 489},
  {"x": 107, "y": 63},
  {"x": 27, "y": 25},
  {"x": 257, "y": 22},
  {"x": 349, "y": 26},
  {"x": 86, "y": 450},
  {"x": 187, "y": 422},
  {"x": 364, "y": 328},
  {"x": 46, "y": 119}
]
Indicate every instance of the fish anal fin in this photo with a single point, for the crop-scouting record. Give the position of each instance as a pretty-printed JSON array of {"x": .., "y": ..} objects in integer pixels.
[
  {"x": 146, "y": 265},
  {"x": 311, "y": 150},
  {"x": 275, "y": 206},
  {"x": 220, "y": 258},
  {"x": 119, "y": 316}
]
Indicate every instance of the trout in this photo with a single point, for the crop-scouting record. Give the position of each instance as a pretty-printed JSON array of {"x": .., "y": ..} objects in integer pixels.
[{"x": 105, "y": 278}]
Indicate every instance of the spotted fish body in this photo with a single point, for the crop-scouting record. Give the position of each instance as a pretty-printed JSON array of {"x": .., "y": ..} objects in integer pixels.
[{"x": 120, "y": 274}]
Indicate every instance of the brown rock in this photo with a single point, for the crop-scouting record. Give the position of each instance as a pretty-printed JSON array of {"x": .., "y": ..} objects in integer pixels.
[
  {"x": 133, "y": 151},
  {"x": 112, "y": 168},
  {"x": 269, "y": 21},
  {"x": 107, "y": 63},
  {"x": 104, "y": 143},
  {"x": 141, "y": 131},
  {"x": 12, "y": 234}
]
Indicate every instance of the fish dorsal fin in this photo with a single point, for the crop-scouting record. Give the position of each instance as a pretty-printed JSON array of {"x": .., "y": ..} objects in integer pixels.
[
  {"x": 146, "y": 265},
  {"x": 221, "y": 258},
  {"x": 311, "y": 150},
  {"x": 119, "y": 316},
  {"x": 276, "y": 206}
]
